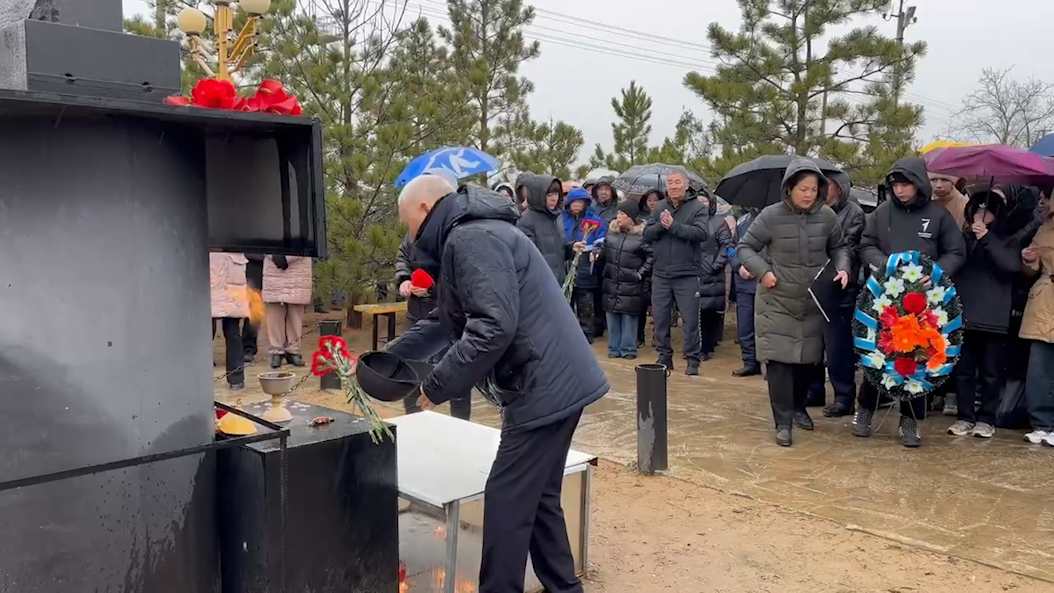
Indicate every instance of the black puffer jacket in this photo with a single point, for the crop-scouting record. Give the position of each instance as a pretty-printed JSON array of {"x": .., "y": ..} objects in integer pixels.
[
  {"x": 513, "y": 334},
  {"x": 627, "y": 260},
  {"x": 416, "y": 307},
  {"x": 985, "y": 282},
  {"x": 605, "y": 210},
  {"x": 678, "y": 251},
  {"x": 543, "y": 227},
  {"x": 921, "y": 225},
  {"x": 851, "y": 218},
  {"x": 714, "y": 259}
]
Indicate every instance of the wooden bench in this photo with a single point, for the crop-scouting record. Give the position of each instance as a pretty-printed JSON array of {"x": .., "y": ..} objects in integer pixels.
[{"x": 388, "y": 310}]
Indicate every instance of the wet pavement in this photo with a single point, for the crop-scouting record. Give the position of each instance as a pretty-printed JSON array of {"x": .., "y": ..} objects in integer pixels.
[{"x": 983, "y": 500}]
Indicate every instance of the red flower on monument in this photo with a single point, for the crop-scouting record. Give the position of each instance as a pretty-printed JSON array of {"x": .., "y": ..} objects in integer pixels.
[
  {"x": 214, "y": 94},
  {"x": 210, "y": 93},
  {"x": 915, "y": 303},
  {"x": 272, "y": 98}
]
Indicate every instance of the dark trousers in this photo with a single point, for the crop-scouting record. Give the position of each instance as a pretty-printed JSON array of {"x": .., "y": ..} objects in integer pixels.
[
  {"x": 787, "y": 386},
  {"x": 915, "y": 408},
  {"x": 980, "y": 366},
  {"x": 460, "y": 407},
  {"x": 599, "y": 320},
  {"x": 642, "y": 322},
  {"x": 685, "y": 292},
  {"x": 522, "y": 512},
  {"x": 232, "y": 334},
  {"x": 1039, "y": 386},
  {"x": 582, "y": 301},
  {"x": 745, "y": 329},
  {"x": 250, "y": 332},
  {"x": 840, "y": 361},
  {"x": 709, "y": 331}
]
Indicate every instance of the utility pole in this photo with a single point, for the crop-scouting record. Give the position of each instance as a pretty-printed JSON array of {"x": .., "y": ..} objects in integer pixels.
[{"x": 905, "y": 18}]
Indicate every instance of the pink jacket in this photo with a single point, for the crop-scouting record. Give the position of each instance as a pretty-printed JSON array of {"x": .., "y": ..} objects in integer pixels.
[
  {"x": 291, "y": 286},
  {"x": 227, "y": 285}
]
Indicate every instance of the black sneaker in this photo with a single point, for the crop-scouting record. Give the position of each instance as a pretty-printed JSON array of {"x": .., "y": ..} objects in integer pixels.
[
  {"x": 862, "y": 423},
  {"x": 295, "y": 360},
  {"x": 630, "y": 357},
  {"x": 614, "y": 356},
  {"x": 237, "y": 386},
  {"x": 803, "y": 421},
  {"x": 276, "y": 361},
  {"x": 909, "y": 432},
  {"x": 667, "y": 361},
  {"x": 693, "y": 368},
  {"x": 783, "y": 436},
  {"x": 746, "y": 372},
  {"x": 837, "y": 410},
  {"x": 249, "y": 356}
]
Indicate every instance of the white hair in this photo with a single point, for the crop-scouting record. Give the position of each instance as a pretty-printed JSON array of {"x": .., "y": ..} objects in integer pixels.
[
  {"x": 683, "y": 174},
  {"x": 425, "y": 187}
]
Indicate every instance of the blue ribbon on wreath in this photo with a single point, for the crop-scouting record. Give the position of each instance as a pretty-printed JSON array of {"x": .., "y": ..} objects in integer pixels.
[
  {"x": 919, "y": 376},
  {"x": 906, "y": 257}
]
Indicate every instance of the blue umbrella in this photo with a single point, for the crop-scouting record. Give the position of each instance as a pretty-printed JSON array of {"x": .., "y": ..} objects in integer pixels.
[{"x": 459, "y": 162}]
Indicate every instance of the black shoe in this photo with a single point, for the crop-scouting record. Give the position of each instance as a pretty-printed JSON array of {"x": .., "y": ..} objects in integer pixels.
[
  {"x": 693, "y": 368},
  {"x": 614, "y": 356},
  {"x": 237, "y": 386},
  {"x": 783, "y": 436},
  {"x": 803, "y": 421},
  {"x": 837, "y": 410},
  {"x": 320, "y": 308},
  {"x": 909, "y": 432},
  {"x": 746, "y": 372},
  {"x": 276, "y": 361},
  {"x": 640, "y": 343},
  {"x": 295, "y": 360},
  {"x": 862, "y": 423},
  {"x": 705, "y": 357},
  {"x": 249, "y": 356},
  {"x": 667, "y": 361},
  {"x": 630, "y": 357}
]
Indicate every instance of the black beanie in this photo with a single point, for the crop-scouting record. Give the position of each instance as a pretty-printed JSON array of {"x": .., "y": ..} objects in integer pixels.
[{"x": 630, "y": 207}]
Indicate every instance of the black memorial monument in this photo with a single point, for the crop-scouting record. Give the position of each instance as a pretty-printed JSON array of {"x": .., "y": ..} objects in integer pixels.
[{"x": 109, "y": 204}]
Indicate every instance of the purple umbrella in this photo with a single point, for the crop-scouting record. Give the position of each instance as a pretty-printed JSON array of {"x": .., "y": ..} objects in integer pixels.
[{"x": 990, "y": 162}]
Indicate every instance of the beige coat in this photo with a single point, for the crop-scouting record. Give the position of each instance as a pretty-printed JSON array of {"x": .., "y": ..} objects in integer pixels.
[
  {"x": 227, "y": 286},
  {"x": 1038, "y": 321},
  {"x": 291, "y": 286}
]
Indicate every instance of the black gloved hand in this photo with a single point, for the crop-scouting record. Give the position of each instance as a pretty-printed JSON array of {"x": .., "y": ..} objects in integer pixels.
[{"x": 280, "y": 261}]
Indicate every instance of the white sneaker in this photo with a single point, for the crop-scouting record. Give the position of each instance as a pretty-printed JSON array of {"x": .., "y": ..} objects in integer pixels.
[
  {"x": 1048, "y": 441},
  {"x": 961, "y": 428},
  {"x": 983, "y": 430},
  {"x": 1036, "y": 437}
]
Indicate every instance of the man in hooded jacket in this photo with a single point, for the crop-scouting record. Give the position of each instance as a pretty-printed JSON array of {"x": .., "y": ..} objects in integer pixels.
[
  {"x": 838, "y": 334},
  {"x": 920, "y": 225},
  {"x": 516, "y": 338},
  {"x": 541, "y": 221}
]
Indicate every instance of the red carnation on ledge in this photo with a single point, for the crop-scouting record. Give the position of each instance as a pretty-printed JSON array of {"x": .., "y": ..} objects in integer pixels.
[
  {"x": 915, "y": 303},
  {"x": 210, "y": 93}
]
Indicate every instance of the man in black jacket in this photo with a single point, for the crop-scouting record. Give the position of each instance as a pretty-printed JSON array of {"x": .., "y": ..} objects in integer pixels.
[
  {"x": 838, "y": 334},
  {"x": 677, "y": 229},
  {"x": 922, "y": 226},
  {"x": 517, "y": 338}
]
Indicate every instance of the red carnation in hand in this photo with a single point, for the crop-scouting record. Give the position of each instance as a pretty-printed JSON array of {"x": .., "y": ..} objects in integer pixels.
[
  {"x": 915, "y": 302},
  {"x": 421, "y": 279},
  {"x": 329, "y": 344},
  {"x": 905, "y": 366},
  {"x": 889, "y": 317}
]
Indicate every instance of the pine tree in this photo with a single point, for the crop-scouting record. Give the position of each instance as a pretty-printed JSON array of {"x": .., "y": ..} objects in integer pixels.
[
  {"x": 487, "y": 47},
  {"x": 785, "y": 86},
  {"x": 550, "y": 147},
  {"x": 631, "y": 131}
]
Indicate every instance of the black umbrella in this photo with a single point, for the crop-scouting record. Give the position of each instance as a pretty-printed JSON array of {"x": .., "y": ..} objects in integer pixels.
[
  {"x": 639, "y": 180},
  {"x": 758, "y": 183}
]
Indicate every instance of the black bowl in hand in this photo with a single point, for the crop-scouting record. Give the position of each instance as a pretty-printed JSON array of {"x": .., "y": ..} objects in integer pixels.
[{"x": 387, "y": 377}]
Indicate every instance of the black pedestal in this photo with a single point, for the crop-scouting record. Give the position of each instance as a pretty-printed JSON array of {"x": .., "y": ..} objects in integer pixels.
[{"x": 342, "y": 525}]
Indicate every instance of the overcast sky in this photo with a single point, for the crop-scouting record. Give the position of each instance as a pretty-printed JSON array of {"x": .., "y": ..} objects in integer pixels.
[{"x": 593, "y": 48}]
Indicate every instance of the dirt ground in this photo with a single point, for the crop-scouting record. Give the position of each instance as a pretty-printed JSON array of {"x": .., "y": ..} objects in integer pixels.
[{"x": 661, "y": 533}]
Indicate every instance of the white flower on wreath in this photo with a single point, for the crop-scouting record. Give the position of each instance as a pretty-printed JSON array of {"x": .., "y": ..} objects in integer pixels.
[
  {"x": 888, "y": 381},
  {"x": 935, "y": 295},
  {"x": 942, "y": 316},
  {"x": 894, "y": 287},
  {"x": 881, "y": 303},
  {"x": 875, "y": 360},
  {"x": 911, "y": 272},
  {"x": 871, "y": 335},
  {"x": 912, "y": 386}
]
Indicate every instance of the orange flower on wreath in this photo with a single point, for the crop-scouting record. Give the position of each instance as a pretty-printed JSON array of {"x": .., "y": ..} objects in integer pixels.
[
  {"x": 936, "y": 353},
  {"x": 907, "y": 334}
]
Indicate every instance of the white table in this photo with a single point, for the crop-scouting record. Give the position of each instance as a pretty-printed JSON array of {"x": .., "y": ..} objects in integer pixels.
[{"x": 444, "y": 462}]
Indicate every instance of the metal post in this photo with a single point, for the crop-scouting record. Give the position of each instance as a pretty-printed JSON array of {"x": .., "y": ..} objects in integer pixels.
[
  {"x": 330, "y": 327},
  {"x": 453, "y": 525},
  {"x": 651, "y": 417}
]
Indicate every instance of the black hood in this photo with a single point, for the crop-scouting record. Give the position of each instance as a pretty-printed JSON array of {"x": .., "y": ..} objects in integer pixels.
[
  {"x": 914, "y": 170},
  {"x": 607, "y": 180},
  {"x": 643, "y": 201},
  {"x": 844, "y": 184},
  {"x": 800, "y": 165},
  {"x": 538, "y": 186},
  {"x": 471, "y": 202}
]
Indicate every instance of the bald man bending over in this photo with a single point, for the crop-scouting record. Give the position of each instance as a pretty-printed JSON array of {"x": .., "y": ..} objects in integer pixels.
[{"x": 515, "y": 338}]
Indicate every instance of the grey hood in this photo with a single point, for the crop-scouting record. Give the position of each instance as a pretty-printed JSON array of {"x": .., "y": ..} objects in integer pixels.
[
  {"x": 844, "y": 184},
  {"x": 800, "y": 165},
  {"x": 914, "y": 170},
  {"x": 538, "y": 186}
]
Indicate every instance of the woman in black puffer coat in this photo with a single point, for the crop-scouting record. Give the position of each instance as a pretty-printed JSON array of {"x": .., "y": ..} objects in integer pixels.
[
  {"x": 627, "y": 260},
  {"x": 712, "y": 282}
]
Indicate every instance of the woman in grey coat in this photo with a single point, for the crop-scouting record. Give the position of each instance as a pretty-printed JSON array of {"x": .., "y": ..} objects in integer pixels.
[{"x": 785, "y": 248}]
